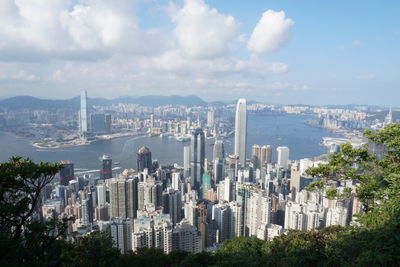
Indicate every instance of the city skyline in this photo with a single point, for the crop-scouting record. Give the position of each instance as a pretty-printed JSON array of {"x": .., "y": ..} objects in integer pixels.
[{"x": 276, "y": 52}]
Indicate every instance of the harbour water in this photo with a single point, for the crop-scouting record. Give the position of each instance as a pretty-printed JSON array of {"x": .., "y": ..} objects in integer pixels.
[{"x": 276, "y": 130}]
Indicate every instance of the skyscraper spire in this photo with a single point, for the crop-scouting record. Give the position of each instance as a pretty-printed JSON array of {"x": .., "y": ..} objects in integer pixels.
[
  {"x": 389, "y": 117},
  {"x": 241, "y": 131},
  {"x": 83, "y": 113}
]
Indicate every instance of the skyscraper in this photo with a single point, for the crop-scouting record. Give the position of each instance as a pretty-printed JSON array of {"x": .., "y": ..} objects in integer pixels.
[
  {"x": 241, "y": 131},
  {"x": 143, "y": 159},
  {"x": 83, "y": 113},
  {"x": 197, "y": 158},
  {"x": 283, "y": 156},
  {"x": 219, "y": 161},
  {"x": 67, "y": 172},
  {"x": 106, "y": 167}
]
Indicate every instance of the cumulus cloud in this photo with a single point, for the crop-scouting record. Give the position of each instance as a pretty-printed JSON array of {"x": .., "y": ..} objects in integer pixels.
[
  {"x": 271, "y": 32},
  {"x": 201, "y": 31},
  {"x": 98, "y": 45},
  {"x": 76, "y": 30}
]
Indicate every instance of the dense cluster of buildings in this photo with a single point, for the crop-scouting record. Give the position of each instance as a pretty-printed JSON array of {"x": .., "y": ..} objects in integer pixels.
[{"x": 197, "y": 206}]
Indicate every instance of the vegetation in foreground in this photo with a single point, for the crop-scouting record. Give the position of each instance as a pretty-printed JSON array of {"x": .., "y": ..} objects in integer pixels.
[{"x": 374, "y": 242}]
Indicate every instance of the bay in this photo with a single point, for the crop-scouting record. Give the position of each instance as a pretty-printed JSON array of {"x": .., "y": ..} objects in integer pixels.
[{"x": 272, "y": 129}]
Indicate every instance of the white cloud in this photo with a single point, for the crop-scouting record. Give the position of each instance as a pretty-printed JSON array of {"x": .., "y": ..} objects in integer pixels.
[
  {"x": 23, "y": 76},
  {"x": 64, "y": 46},
  {"x": 201, "y": 31},
  {"x": 271, "y": 32},
  {"x": 74, "y": 30},
  {"x": 357, "y": 43},
  {"x": 368, "y": 76}
]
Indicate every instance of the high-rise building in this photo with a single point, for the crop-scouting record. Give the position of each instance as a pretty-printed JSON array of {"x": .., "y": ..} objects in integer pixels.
[
  {"x": 176, "y": 180},
  {"x": 172, "y": 205},
  {"x": 268, "y": 157},
  {"x": 265, "y": 155},
  {"x": 283, "y": 156},
  {"x": 67, "y": 172},
  {"x": 256, "y": 155},
  {"x": 295, "y": 179},
  {"x": 143, "y": 160},
  {"x": 205, "y": 183},
  {"x": 121, "y": 234},
  {"x": 123, "y": 197},
  {"x": 108, "y": 119},
  {"x": 219, "y": 161},
  {"x": 186, "y": 237},
  {"x": 241, "y": 131},
  {"x": 83, "y": 115},
  {"x": 98, "y": 123},
  {"x": 101, "y": 194},
  {"x": 228, "y": 216},
  {"x": 210, "y": 118},
  {"x": 220, "y": 213},
  {"x": 197, "y": 158},
  {"x": 106, "y": 167},
  {"x": 86, "y": 211},
  {"x": 186, "y": 161},
  {"x": 150, "y": 192},
  {"x": 153, "y": 232}
]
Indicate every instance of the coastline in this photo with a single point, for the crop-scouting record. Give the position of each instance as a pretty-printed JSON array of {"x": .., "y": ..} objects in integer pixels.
[{"x": 80, "y": 141}]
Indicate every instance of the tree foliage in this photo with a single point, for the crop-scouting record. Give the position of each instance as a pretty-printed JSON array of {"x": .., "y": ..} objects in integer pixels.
[{"x": 22, "y": 239}]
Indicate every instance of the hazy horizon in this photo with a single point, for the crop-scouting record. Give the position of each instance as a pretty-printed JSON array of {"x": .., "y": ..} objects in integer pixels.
[{"x": 233, "y": 101}]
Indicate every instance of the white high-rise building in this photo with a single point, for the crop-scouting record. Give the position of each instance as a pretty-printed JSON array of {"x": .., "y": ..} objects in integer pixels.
[
  {"x": 176, "y": 180},
  {"x": 241, "y": 131},
  {"x": 210, "y": 118},
  {"x": 283, "y": 156},
  {"x": 83, "y": 115},
  {"x": 152, "y": 232},
  {"x": 101, "y": 194}
]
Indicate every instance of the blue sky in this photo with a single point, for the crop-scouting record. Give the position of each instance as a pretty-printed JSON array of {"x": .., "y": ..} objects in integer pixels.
[{"x": 314, "y": 52}]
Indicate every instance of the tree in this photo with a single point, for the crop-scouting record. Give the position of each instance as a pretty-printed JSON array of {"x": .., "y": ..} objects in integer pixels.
[
  {"x": 22, "y": 239},
  {"x": 378, "y": 179},
  {"x": 94, "y": 249}
]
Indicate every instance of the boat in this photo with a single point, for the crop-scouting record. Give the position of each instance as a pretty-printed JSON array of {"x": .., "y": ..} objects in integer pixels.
[{"x": 182, "y": 138}]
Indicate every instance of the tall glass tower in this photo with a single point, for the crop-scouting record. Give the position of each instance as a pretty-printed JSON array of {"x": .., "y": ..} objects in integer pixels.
[
  {"x": 143, "y": 159},
  {"x": 197, "y": 155},
  {"x": 83, "y": 113},
  {"x": 241, "y": 131},
  {"x": 106, "y": 167}
]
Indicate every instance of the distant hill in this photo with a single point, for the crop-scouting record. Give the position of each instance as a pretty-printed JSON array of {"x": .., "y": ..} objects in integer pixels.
[{"x": 30, "y": 102}]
